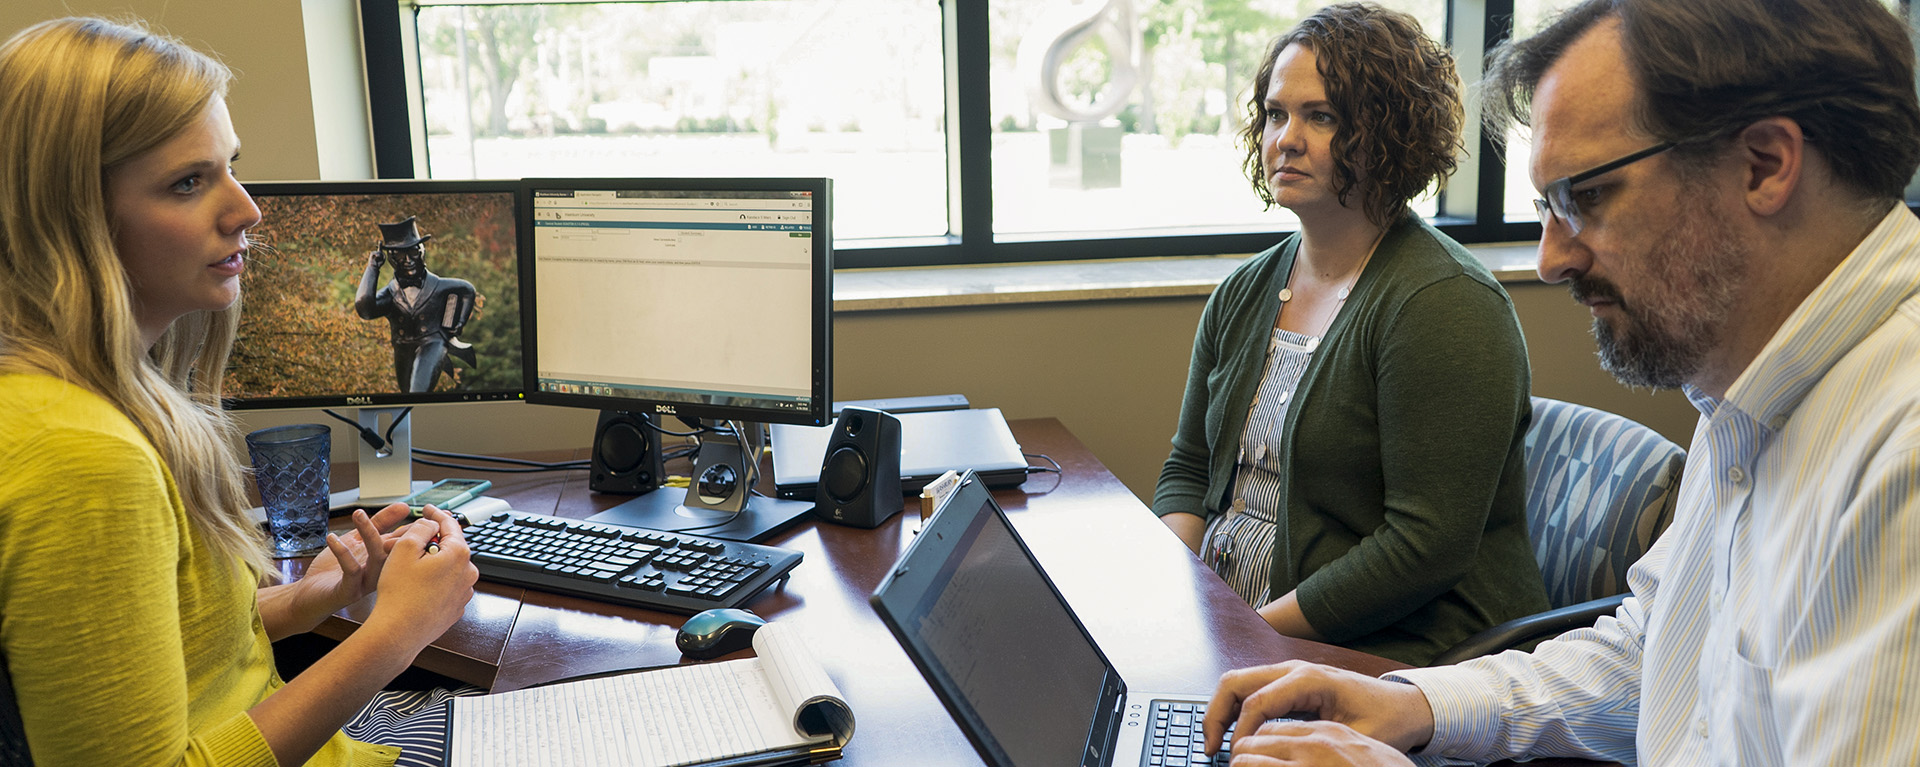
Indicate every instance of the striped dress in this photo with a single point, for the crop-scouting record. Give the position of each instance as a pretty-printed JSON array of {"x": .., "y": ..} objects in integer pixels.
[
  {"x": 413, "y": 720},
  {"x": 1239, "y": 544}
]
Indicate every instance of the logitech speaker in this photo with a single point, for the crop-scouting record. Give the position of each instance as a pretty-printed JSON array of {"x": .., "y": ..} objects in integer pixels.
[
  {"x": 860, "y": 474},
  {"x": 626, "y": 454}
]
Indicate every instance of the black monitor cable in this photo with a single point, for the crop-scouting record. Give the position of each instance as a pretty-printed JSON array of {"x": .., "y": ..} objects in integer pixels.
[
  {"x": 1058, "y": 473},
  {"x": 383, "y": 447},
  {"x": 750, "y": 450},
  {"x": 698, "y": 428},
  {"x": 535, "y": 466},
  {"x": 731, "y": 518},
  {"x": 1038, "y": 469},
  {"x": 685, "y": 452}
]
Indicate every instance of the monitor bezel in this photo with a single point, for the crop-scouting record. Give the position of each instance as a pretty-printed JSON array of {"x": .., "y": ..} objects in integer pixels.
[
  {"x": 820, "y": 402},
  {"x": 398, "y": 186}
]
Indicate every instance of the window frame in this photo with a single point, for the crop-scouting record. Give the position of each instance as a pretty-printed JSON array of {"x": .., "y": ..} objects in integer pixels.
[{"x": 391, "y": 47}]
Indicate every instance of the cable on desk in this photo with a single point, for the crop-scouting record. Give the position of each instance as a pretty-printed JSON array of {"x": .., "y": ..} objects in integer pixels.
[
  {"x": 723, "y": 523},
  {"x": 502, "y": 469},
  {"x": 556, "y": 465},
  {"x": 698, "y": 428},
  {"x": 685, "y": 452},
  {"x": 383, "y": 447},
  {"x": 1049, "y": 459}
]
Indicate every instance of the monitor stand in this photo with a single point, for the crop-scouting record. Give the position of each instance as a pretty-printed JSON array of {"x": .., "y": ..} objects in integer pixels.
[
  {"x": 386, "y": 474},
  {"x": 719, "y": 502}
]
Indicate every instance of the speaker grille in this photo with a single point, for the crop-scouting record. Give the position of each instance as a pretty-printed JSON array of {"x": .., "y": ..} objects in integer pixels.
[
  {"x": 844, "y": 474},
  {"x": 622, "y": 447}
]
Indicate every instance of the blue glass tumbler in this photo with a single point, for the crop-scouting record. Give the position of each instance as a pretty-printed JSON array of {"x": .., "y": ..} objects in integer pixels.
[{"x": 290, "y": 465}]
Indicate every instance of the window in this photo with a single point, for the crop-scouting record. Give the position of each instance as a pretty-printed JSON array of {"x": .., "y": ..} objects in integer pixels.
[
  {"x": 849, "y": 89},
  {"x": 962, "y": 131},
  {"x": 1134, "y": 125},
  {"x": 1528, "y": 17}
]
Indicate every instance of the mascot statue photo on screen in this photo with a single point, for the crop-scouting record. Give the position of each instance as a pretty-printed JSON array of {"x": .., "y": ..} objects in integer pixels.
[{"x": 425, "y": 311}]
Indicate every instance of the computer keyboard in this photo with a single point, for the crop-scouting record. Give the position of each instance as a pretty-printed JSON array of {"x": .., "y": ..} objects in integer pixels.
[
  {"x": 1177, "y": 738},
  {"x": 672, "y": 572}
]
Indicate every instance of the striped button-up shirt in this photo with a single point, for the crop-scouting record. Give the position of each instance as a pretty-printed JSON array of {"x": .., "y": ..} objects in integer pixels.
[{"x": 1777, "y": 622}]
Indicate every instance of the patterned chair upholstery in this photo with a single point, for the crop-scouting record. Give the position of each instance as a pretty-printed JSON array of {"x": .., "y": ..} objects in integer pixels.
[{"x": 1600, "y": 489}]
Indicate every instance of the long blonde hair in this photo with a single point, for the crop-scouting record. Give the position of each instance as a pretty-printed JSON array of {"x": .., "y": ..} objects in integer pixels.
[{"x": 79, "y": 97}]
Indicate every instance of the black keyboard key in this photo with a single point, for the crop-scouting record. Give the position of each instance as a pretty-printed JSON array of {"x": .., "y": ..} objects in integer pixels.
[
  {"x": 647, "y": 568},
  {"x": 1177, "y": 739}
]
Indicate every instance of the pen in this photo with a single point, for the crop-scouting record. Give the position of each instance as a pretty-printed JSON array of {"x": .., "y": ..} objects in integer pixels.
[{"x": 433, "y": 545}]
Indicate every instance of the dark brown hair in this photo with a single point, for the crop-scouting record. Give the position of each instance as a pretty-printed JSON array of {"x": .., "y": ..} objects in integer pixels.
[
  {"x": 1397, "y": 97},
  {"x": 1841, "y": 69}
]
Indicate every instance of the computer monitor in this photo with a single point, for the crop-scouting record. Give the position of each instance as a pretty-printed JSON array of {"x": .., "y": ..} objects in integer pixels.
[
  {"x": 379, "y": 295},
  {"x": 706, "y": 298}
]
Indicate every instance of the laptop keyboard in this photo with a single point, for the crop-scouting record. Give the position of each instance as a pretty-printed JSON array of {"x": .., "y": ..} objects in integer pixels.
[{"x": 1177, "y": 737}]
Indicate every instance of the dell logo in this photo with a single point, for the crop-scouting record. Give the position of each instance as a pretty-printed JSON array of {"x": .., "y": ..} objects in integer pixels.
[
  {"x": 664, "y": 409},
  {"x": 359, "y": 400}
]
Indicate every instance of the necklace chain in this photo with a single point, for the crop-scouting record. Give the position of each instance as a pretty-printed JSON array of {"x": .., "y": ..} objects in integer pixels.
[{"x": 1351, "y": 279}]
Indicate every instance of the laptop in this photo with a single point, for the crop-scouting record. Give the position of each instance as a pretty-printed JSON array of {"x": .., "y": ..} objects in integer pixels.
[
  {"x": 1011, "y": 661},
  {"x": 931, "y": 444}
]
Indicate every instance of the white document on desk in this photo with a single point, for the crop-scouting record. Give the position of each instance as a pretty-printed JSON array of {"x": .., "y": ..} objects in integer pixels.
[{"x": 780, "y": 702}]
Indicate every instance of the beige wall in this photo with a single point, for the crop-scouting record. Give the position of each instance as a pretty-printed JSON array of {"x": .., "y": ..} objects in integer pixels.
[
  {"x": 1112, "y": 371},
  {"x": 264, "y": 41}
]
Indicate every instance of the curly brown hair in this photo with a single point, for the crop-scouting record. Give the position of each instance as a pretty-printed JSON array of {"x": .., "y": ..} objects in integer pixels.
[{"x": 1397, "y": 97}]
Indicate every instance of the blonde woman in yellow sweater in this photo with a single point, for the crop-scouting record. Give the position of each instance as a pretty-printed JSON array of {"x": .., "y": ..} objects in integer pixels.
[{"x": 130, "y": 613}]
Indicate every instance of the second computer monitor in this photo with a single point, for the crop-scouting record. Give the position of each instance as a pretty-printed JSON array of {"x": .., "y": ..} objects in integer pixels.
[
  {"x": 707, "y": 298},
  {"x": 379, "y": 295}
]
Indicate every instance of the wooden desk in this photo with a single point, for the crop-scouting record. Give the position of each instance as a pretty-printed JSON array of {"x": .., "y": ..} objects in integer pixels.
[{"x": 1164, "y": 620}]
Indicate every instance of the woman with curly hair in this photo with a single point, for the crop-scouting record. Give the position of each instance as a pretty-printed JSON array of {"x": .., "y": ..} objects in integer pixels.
[{"x": 1348, "y": 456}]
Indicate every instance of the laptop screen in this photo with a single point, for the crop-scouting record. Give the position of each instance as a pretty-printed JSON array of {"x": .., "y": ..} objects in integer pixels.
[{"x": 989, "y": 631}]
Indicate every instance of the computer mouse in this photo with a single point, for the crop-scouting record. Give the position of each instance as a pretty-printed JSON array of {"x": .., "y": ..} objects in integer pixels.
[{"x": 717, "y": 632}]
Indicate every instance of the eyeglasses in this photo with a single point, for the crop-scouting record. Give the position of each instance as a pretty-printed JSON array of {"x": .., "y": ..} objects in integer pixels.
[{"x": 1559, "y": 202}]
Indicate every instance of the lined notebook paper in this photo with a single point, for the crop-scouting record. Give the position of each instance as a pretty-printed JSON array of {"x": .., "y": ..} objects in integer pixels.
[{"x": 781, "y": 703}]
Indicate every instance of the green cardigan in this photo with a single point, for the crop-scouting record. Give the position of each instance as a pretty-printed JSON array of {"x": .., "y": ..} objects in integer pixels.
[{"x": 1404, "y": 528}]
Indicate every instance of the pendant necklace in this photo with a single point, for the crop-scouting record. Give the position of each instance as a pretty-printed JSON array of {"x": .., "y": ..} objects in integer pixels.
[{"x": 1352, "y": 279}]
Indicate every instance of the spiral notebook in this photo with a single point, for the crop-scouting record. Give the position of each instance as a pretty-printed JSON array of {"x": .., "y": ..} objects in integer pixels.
[{"x": 780, "y": 708}]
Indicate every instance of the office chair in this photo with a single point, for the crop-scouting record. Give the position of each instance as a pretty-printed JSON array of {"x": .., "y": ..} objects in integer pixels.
[
  {"x": 1600, "y": 489},
  {"x": 13, "y": 733}
]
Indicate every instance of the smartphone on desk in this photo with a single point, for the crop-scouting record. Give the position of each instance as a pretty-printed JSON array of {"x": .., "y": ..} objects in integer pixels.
[{"x": 446, "y": 494}]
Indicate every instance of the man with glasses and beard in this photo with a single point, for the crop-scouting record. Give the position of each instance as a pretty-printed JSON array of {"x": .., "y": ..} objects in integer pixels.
[
  {"x": 1723, "y": 186},
  {"x": 425, "y": 311}
]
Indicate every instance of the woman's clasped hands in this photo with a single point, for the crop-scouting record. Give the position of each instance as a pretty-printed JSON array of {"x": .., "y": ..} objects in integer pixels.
[{"x": 427, "y": 590}]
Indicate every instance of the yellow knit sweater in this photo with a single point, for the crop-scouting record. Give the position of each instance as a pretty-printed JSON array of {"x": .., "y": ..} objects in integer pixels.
[{"x": 128, "y": 644}]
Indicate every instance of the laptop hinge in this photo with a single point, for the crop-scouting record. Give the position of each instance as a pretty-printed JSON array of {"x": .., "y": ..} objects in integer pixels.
[{"x": 1110, "y": 731}]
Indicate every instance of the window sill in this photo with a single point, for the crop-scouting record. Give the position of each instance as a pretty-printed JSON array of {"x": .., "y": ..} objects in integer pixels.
[{"x": 935, "y": 287}]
